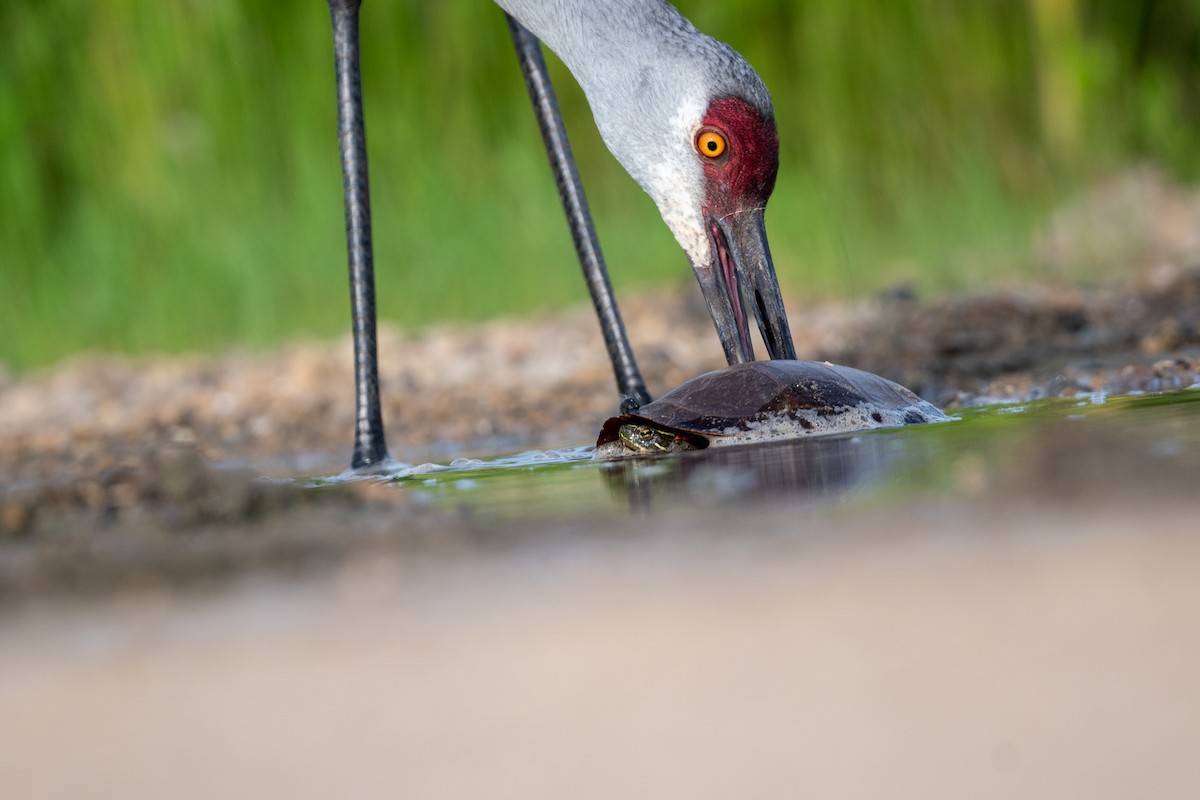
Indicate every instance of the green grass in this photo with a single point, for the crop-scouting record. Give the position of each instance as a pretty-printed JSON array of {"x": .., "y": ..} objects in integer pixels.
[{"x": 169, "y": 176}]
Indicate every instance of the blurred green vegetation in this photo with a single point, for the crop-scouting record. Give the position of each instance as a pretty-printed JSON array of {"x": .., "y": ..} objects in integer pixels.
[{"x": 170, "y": 178}]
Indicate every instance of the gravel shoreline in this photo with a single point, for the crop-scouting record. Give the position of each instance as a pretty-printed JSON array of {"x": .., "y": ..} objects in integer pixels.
[{"x": 486, "y": 389}]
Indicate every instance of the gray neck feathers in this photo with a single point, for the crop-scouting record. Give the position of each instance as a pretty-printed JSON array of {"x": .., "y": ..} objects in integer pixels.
[{"x": 648, "y": 74}]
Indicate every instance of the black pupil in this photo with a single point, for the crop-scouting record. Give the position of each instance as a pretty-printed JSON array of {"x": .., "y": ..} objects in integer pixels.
[{"x": 712, "y": 144}]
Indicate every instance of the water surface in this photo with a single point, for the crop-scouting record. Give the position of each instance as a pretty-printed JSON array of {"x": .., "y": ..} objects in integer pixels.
[{"x": 1074, "y": 447}]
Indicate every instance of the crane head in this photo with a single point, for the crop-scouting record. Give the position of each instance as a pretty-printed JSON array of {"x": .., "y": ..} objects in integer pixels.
[
  {"x": 696, "y": 129},
  {"x": 738, "y": 151}
]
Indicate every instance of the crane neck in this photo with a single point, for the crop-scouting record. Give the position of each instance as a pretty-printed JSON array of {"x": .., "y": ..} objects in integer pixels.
[{"x": 602, "y": 41}]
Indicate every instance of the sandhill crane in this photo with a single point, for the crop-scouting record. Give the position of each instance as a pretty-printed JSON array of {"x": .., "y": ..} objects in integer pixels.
[{"x": 684, "y": 114}]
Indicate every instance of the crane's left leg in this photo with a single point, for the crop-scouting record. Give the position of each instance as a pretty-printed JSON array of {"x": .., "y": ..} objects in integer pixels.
[
  {"x": 370, "y": 449},
  {"x": 630, "y": 386}
]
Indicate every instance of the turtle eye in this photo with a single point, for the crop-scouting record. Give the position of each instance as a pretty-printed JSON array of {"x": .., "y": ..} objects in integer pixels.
[{"x": 711, "y": 143}]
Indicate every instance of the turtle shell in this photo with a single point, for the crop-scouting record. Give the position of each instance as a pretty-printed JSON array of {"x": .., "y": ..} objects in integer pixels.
[{"x": 776, "y": 399}]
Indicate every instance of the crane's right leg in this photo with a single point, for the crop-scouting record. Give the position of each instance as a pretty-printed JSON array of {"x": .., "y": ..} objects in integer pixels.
[
  {"x": 370, "y": 449},
  {"x": 630, "y": 386}
]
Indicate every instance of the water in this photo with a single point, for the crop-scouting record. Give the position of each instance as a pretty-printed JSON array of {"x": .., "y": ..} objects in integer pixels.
[{"x": 1062, "y": 449}]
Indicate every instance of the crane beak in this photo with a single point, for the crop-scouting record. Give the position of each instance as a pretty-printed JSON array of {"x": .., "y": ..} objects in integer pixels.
[{"x": 742, "y": 272}]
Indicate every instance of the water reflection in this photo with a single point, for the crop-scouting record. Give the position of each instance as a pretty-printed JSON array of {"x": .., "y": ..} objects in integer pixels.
[
  {"x": 1059, "y": 450},
  {"x": 808, "y": 469}
]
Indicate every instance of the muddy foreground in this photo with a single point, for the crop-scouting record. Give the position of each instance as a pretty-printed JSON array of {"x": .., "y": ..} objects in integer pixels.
[{"x": 174, "y": 625}]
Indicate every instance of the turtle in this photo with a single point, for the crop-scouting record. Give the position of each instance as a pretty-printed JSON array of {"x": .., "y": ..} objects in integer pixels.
[{"x": 762, "y": 401}]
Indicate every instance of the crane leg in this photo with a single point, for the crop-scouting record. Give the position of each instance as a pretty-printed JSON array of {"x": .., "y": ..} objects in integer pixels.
[
  {"x": 630, "y": 385},
  {"x": 370, "y": 448}
]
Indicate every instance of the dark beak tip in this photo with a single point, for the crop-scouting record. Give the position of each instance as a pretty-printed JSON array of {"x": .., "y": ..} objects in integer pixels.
[{"x": 746, "y": 238}]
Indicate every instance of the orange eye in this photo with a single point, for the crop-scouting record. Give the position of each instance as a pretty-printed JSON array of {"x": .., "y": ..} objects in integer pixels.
[{"x": 711, "y": 144}]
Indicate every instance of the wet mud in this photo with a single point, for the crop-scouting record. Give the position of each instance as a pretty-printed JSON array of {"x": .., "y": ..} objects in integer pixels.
[
  {"x": 143, "y": 447},
  {"x": 111, "y": 468}
]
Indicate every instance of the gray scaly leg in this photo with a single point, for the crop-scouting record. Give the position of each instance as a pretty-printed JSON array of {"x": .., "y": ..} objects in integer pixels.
[
  {"x": 630, "y": 385},
  {"x": 370, "y": 448}
]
